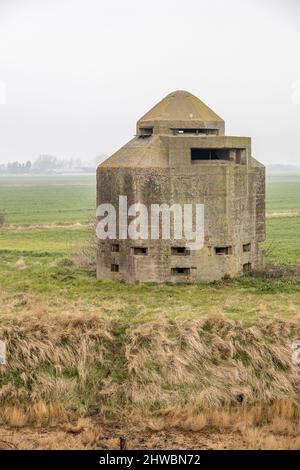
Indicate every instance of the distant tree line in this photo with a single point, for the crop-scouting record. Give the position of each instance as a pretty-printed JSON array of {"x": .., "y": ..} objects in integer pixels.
[
  {"x": 16, "y": 168},
  {"x": 48, "y": 164}
]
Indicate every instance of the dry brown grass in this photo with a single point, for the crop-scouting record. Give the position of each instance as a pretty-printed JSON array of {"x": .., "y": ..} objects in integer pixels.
[
  {"x": 14, "y": 416},
  {"x": 39, "y": 414},
  {"x": 235, "y": 428},
  {"x": 196, "y": 372},
  {"x": 281, "y": 417},
  {"x": 260, "y": 426},
  {"x": 53, "y": 365},
  {"x": 211, "y": 362}
]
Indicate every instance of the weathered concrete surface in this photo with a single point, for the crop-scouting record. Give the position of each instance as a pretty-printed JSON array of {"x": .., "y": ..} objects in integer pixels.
[{"x": 158, "y": 169}]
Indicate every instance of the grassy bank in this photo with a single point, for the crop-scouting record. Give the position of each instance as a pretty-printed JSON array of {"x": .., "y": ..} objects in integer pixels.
[
  {"x": 86, "y": 364},
  {"x": 188, "y": 356}
]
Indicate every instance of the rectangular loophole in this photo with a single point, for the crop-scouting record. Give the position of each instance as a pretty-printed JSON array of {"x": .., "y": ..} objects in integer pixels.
[
  {"x": 115, "y": 248},
  {"x": 145, "y": 132},
  {"x": 180, "y": 250},
  {"x": 180, "y": 271},
  {"x": 247, "y": 268},
  {"x": 247, "y": 247},
  {"x": 140, "y": 250},
  {"x": 196, "y": 131},
  {"x": 223, "y": 250},
  {"x": 114, "y": 268}
]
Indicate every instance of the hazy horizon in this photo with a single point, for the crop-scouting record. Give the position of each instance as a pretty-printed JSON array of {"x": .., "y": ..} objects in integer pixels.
[
  {"x": 75, "y": 76},
  {"x": 90, "y": 164}
]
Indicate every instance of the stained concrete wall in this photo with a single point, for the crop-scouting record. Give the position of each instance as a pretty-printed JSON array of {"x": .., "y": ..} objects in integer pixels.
[{"x": 233, "y": 196}]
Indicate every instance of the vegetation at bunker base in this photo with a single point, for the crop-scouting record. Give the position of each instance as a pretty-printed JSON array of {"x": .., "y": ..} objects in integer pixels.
[{"x": 82, "y": 345}]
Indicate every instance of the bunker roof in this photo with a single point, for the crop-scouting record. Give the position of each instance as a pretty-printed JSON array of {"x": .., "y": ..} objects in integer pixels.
[{"x": 181, "y": 106}]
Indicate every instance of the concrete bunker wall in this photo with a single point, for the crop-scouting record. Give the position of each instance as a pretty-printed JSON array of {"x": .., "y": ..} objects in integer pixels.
[{"x": 230, "y": 195}]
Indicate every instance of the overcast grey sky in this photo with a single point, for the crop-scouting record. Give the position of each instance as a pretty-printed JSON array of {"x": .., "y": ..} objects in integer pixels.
[{"x": 79, "y": 73}]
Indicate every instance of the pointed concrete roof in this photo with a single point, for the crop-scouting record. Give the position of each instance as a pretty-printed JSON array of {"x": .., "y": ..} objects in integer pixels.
[
  {"x": 180, "y": 106},
  {"x": 139, "y": 153}
]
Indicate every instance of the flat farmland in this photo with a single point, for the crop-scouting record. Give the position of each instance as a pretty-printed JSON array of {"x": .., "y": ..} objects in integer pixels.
[
  {"x": 283, "y": 194},
  {"x": 34, "y": 200},
  {"x": 51, "y": 213},
  {"x": 46, "y": 225}
]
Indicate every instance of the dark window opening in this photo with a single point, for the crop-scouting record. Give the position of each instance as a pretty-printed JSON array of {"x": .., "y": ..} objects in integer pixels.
[
  {"x": 223, "y": 154},
  {"x": 247, "y": 247},
  {"x": 184, "y": 271},
  {"x": 114, "y": 268},
  {"x": 196, "y": 131},
  {"x": 146, "y": 132},
  {"x": 209, "y": 154},
  {"x": 115, "y": 248},
  {"x": 247, "y": 267},
  {"x": 140, "y": 250},
  {"x": 223, "y": 250},
  {"x": 180, "y": 250}
]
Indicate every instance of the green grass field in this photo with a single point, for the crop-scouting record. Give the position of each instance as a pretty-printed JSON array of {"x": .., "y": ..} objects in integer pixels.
[
  {"x": 38, "y": 201},
  {"x": 283, "y": 193},
  {"x": 46, "y": 223},
  {"x": 28, "y": 200}
]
